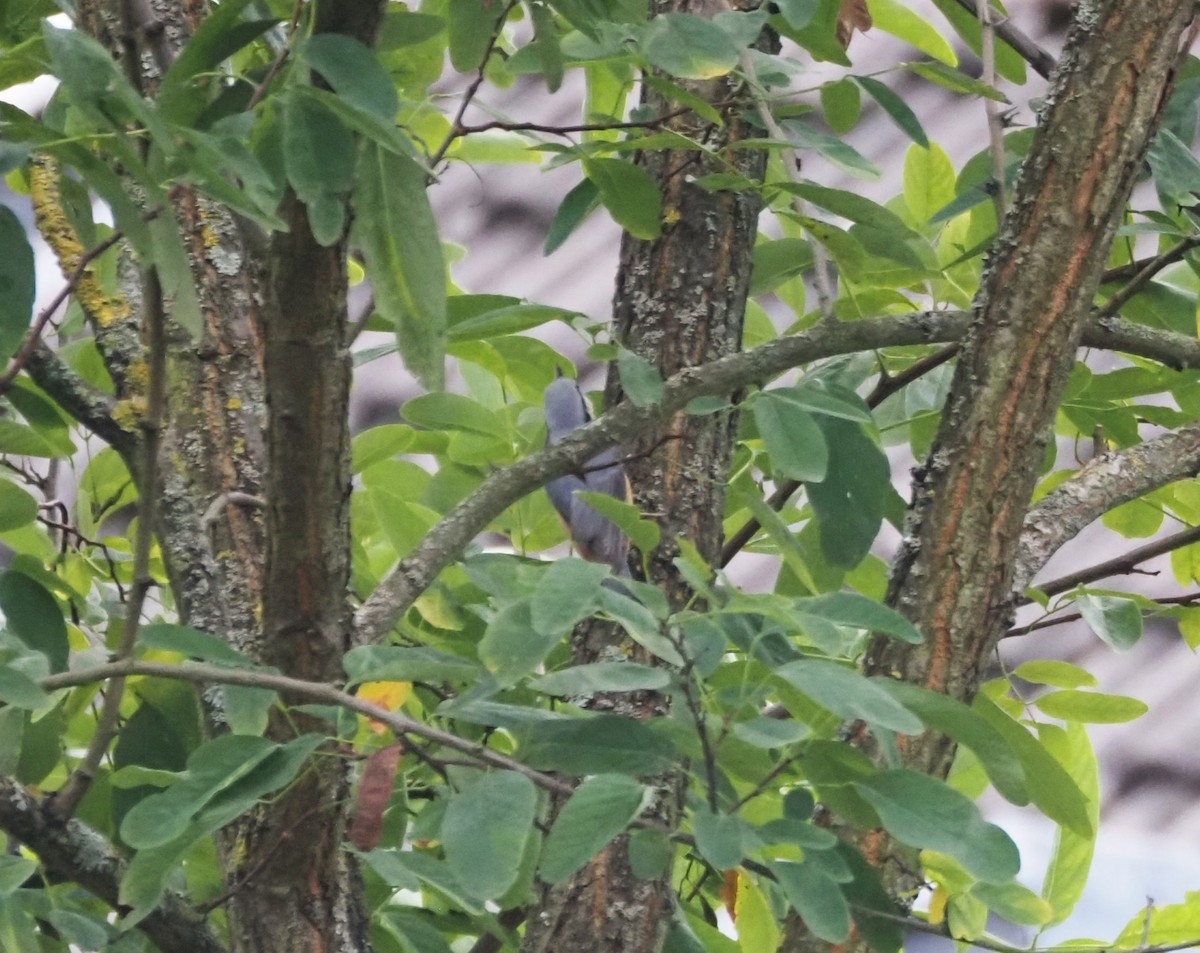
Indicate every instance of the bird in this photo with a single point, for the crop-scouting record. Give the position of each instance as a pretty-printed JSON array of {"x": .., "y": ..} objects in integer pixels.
[{"x": 594, "y": 536}]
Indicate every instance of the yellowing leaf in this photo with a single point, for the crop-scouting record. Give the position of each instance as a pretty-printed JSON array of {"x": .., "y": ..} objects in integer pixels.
[
  {"x": 937, "y": 905},
  {"x": 389, "y": 695}
]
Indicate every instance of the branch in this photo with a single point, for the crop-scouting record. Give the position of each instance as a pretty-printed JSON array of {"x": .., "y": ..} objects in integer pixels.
[
  {"x": 988, "y": 21},
  {"x": 1120, "y": 565},
  {"x": 456, "y": 125},
  {"x": 1147, "y": 271},
  {"x": 74, "y": 851},
  {"x": 625, "y": 422},
  {"x": 887, "y": 385},
  {"x": 442, "y": 544},
  {"x": 465, "y": 130},
  {"x": 108, "y": 722},
  {"x": 1042, "y": 62},
  {"x": 316, "y": 691},
  {"x": 826, "y": 293},
  {"x": 1104, "y": 483},
  {"x": 77, "y": 397}
]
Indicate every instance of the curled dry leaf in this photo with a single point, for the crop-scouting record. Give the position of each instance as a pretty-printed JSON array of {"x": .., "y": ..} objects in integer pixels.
[
  {"x": 374, "y": 793},
  {"x": 853, "y": 15}
]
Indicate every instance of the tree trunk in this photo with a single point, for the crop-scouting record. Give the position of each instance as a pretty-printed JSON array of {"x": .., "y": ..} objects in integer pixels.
[
  {"x": 680, "y": 302},
  {"x": 953, "y": 577}
]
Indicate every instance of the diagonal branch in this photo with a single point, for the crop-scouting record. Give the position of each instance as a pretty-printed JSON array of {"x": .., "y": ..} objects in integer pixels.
[
  {"x": 1104, "y": 483},
  {"x": 442, "y": 544},
  {"x": 1043, "y": 63},
  {"x": 76, "y": 852},
  {"x": 1121, "y": 565}
]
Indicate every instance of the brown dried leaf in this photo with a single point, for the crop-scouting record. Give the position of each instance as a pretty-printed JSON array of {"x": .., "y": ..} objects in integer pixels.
[
  {"x": 853, "y": 15},
  {"x": 374, "y": 792}
]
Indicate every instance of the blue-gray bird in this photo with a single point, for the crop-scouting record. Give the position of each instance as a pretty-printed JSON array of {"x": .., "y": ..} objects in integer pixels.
[{"x": 595, "y": 537}]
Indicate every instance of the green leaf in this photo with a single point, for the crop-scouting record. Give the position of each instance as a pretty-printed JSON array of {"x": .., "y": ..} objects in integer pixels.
[
  {"x": 840, "y": 153},
  {"x": 798, "y": 13},
  {"x": 898, "y": 19},
  {"x": 841, "y": 104},
  {"x": 511, "y": 319},
  {"x": 1009, "y": 63},
  {"x": 192, "y": 643},
  {"x": 955, "y": 81},
  {"x": 548, "y": 48},
  {"x": 777, "y": 261},
  {"x": 14, "y": 871},
  {"x": 17, "y": 507},
  {"x": 18, "y": 689},
  {"x": 645, "y": 534},
  {"x": 640, "y": 379},
  {"x": 818, "y": 900},
  {"x": 722, "y": 839},
  {"x": 472, "y": 24},
  {"x": 1050, "y": 788},
  {"x": 511, "y": 647},
  {"x": 220, "y": 34},
  {"x": 848, "y": 694},
  {"x": 1117, "y": 621},
  {"x": 640, "y": 624},
  {"x": 399, "y": 238},
  {"x": 602, "y": 677},
  {"x": 630, "y": 195},
  {"x": 318, "y": 149},
  {"x": 896, "y": 108},
  {"x": 1071, "y": 861},
  {"x": 923, "y": 812},
  {"x": 850, "y": 501},
  {"x": 600, "y": 809},
  {"x": 1091, "y": 707},
  {"x": 929, "y": 181},
  {"x": 1176, "y": 170},
  {"x": 576, "y": 206},
  {"x": 224, "y": 778},
  {"x": 812, "y": 396},
  {"x": 950, "y": 716},
  {"x": 394, "y": 663},
  {"x": 852, "y": 609},
  {"x": 485, "y": 829},
  {"x": 596, "y": 745},
  {"x": 567, "y": 592},
  {"x": 1054, "y": 672},
  {"x": 16, "y": 283},
  {"x": 767, "y": 732},
  {"x": 689, "y": 46},
  {"x": 33, "y": 616},
  {"x": 793, "y": 438},
  {"x": 353, "y": 71},
  {"x": 451, "y": 412}
]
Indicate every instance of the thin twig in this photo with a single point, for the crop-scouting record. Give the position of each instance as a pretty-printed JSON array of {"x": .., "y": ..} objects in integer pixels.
[
  {"x": 1042, "y": 62},
  {"x": 1051, "y": 620},
  {"x": 456, "y": 125},
  {"x": 1120, "y": 565},
  {"x": 400, "y": 723},
  {"x": 995, "y": 125},
  {"x": 464, "y": 130},
  {"x": 888, "y": 385},
  {"x": 826, "y": 292},
  {"x": 1148, "y": 271},
  {"x": 77, "y": 785},
  {"x": 261, "y": 89}
]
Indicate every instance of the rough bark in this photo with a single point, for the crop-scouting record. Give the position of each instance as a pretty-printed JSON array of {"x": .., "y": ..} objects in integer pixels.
[
  {"x": 954, "y": 574},
  {"x": 955, "y": 571},
  {"x": 300, "y": 890},
  {"x": 680, "y": 301}
]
